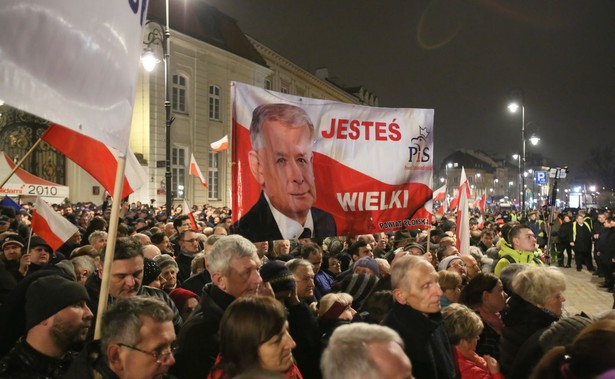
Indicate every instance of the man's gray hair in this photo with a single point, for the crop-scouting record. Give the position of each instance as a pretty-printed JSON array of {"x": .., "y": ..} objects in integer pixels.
[
  {"x": 225, "y": 249},
  {"x": 347, "y": 355},
  {"x": 287, "y": 114},
  {"x": 122, "y": 321},
  {"x": 400, "y": 269},
  {"x": 96, "y": 235},
  {"x": 295, "y": 263}
]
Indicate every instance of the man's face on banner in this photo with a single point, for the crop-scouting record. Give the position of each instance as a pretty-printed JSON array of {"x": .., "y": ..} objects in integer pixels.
[{"x": 284, "y": 168}]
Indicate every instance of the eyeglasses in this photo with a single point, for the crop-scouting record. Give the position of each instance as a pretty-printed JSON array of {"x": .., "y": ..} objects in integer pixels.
[{"x": 160, "y": 357}]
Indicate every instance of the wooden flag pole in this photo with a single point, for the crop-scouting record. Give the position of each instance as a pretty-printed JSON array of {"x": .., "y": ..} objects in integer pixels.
[
  {"x": 110, "y": 250},
  {"x": 18, "y": 164}
]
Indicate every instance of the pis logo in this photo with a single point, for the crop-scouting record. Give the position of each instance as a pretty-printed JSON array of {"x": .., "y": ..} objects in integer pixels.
[{"x": 419, "y": 147}]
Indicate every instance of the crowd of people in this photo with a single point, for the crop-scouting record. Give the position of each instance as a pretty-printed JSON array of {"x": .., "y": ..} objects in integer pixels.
[{"x": 200, "y": 301}]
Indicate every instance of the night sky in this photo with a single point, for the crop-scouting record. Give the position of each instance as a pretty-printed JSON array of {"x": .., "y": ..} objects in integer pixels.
[{"x": 464, "y": 59}]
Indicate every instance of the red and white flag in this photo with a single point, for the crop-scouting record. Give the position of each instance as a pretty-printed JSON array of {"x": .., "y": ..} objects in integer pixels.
[
  {"x": 51, "y": 226},
  {"x": 440, "y": 194},
  {"x": 186, "y": 210},
  {"x": 74, "y": 63},
  {"x": 196, "y": 171},
  {"x": 463, "y": 216},
  {"x": 220, "y": 145},
  {"x": 480, "y": 203},
  {"x": 455, "y": 202},
  {"x": 98, "y": 159}
]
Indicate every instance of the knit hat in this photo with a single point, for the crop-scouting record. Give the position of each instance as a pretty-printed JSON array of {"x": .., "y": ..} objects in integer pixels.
[
  {"x": 443, "y": 265},
  {"x": 38, "y": 241},
  {"x": 278, "y": 275},
  {"x": 165, "y": 260},
  {"x": 415, "y": 245},
  {"x": 563, "y": 332},
  {"x": 368, "y": 262},
  {"x": 49, "y": 295},
  {"x": 359, "y": 286},
  {"x": 181, "y": 295},
  {"x": 151, "y": 271},
  {"x": 12, "y": 239}
]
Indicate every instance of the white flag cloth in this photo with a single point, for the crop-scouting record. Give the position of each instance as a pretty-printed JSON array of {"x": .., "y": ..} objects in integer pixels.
[
  {"x": 73, "y": 62},
  {"x": 51, "y": 226},
  {"x": 220, "y": 145}
]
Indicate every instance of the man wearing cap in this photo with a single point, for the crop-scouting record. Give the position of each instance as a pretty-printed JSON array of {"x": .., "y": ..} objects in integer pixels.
[
  {"x": 13, "y": 258},
  {"x": 57, "y": 317},
  {"x": 168, "y": 272},
  {"x": 40, "y": 254},
  {"x": 5, "y": 222}
]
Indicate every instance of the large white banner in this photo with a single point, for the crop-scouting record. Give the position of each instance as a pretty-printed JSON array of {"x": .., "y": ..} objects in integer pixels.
[
  {"x": 360, "y": 170},
  {"x": 73, "y": 62}
]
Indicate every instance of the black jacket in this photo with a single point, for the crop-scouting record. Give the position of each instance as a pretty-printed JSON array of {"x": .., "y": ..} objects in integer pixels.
[
  {"x": 258, "y": 223},
  {"x": 25, "y": 362},
  {"x": 199, "y": 341},
  {"x": 521, "y": 321},
  {"x": 426, "y": 342},
  {"x": 90, "y": 364}
]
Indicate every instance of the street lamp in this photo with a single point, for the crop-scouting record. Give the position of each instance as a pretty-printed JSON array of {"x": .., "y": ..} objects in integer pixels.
[
  {"x": 513, "y": 107},
  {"x": 160, "y": 34}
]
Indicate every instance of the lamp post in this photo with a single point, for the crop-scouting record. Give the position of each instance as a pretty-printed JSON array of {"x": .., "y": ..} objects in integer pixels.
[
  {"x": 513, "y": 107},
  {"x": 446, "y": 167},
  {"x": 161, "y": 34},
  {"x": 517, "y": 157}
]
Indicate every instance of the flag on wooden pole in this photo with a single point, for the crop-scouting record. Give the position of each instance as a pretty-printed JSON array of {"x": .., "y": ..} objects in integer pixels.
[{"x": 50, "y": 226}]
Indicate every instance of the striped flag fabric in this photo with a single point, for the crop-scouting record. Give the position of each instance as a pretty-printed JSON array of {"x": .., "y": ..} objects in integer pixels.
[
  {"x": 98, "y": 159},
  {"x": 50, "y": 226},
  {"x": 439, "y": 194},
  {"x": 463, "y": 216},
  {"x": 188, "y": 211},
  {"x": 196, "y": 171},
  {"x": 220, "y": 145}
]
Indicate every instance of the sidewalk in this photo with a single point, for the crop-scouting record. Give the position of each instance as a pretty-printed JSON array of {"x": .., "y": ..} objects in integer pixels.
[{"x": 583, "y": 293}]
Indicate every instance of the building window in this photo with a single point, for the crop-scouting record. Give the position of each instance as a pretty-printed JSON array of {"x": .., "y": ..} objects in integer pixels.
[
  {"x": 179, "y": 94},
  {"x": 213, "y": 175},
  {"x": 268, "y": 84},
  {"x": 284, "y": 90},
  {"x": 214, "y": 103},
  {"x": 178, "y": 172}
]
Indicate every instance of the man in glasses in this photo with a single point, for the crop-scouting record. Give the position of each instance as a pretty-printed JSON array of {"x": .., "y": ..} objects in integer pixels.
[
  {"x": 137, "y": 342},
  {"x": 188, "y": 248}
]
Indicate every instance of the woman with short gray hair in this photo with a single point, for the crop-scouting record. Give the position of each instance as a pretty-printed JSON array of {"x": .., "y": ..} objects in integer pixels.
[{"x": 535, "y": 304}]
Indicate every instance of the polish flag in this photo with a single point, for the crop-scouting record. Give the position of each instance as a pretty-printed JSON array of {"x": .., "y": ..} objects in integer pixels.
[
  {"x": 98, "y": 159},
  {"x": 480, "y": 203},
  {"x": 455, "y": 202},
  {"x": 220, "y": 145},
  {"x": 439, "y": 194},
  {"x": 50, "y": 226},
  {"x": 463, "y": 216},
  {"x": 186, "y": 210},
  {"x": 196, "y": 171}
]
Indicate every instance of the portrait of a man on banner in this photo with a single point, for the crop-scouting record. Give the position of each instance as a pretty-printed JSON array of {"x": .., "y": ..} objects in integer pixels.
[{"x": 314, "y": 168}]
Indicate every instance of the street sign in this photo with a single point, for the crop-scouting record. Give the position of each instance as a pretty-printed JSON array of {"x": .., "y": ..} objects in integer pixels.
[{"x": 540, "y": 177}]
